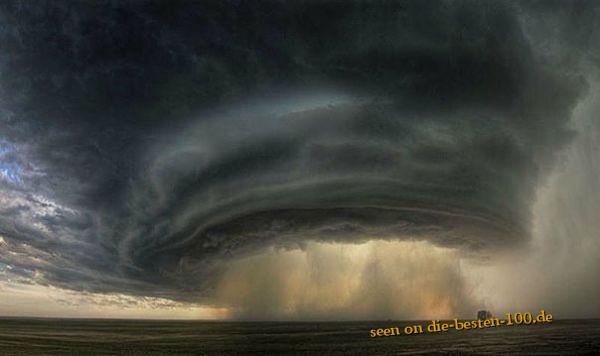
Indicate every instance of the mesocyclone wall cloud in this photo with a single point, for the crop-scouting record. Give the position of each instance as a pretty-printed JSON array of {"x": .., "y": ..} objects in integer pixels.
[{"x": 145, "y": 148}]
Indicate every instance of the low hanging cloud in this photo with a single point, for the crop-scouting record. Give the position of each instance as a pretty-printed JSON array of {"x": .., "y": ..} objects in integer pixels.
[{"x": 145, "y": 151}]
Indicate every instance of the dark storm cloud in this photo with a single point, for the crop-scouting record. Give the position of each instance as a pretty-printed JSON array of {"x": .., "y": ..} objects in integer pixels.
[{"x": 143, "y": 144}]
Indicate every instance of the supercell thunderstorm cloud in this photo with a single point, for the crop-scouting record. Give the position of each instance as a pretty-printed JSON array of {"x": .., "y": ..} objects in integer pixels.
[{"x": 312, "y": 160}]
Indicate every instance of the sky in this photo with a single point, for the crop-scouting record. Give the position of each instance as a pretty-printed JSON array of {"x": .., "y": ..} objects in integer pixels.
[{"x": 299, "y": 161}]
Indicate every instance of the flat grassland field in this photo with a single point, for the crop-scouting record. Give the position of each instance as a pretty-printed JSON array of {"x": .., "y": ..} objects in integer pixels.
[{"x": 27, "y": 336}]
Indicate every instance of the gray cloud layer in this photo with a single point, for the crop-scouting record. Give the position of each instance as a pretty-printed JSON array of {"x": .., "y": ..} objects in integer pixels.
[{"x": 144, "y": 145}]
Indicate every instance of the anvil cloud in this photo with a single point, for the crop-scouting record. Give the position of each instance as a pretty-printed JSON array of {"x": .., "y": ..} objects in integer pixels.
[{"x": 145, "y": 146}]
